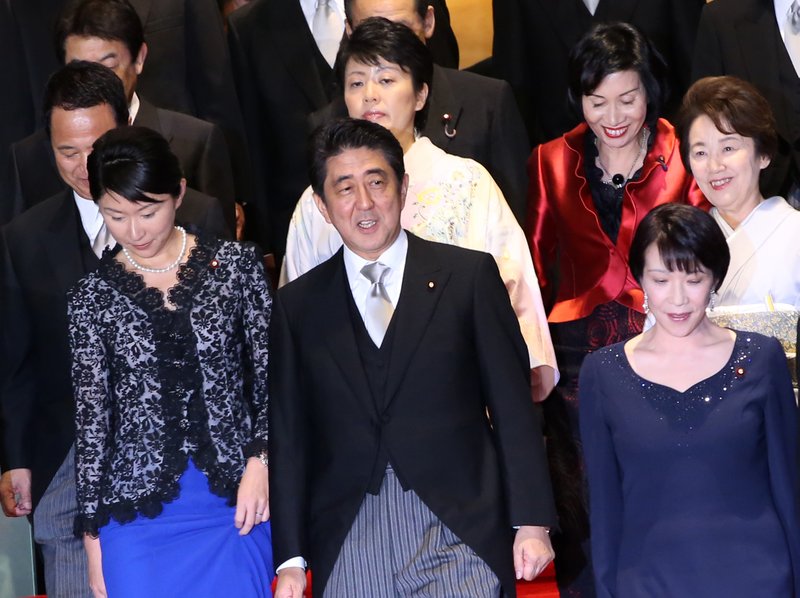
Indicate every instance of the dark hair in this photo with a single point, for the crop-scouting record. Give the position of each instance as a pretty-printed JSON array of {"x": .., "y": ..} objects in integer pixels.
[
  {"x": 377, "y": 39},
  {"x": 82, "y": 84},
  {"x": 730, "y": 103},
  {"x": 132, "y": 161},
  {"x": 111, "y": 20},
  {"x": 421, "y": 6},
  {"x": 686, "y": 237},
  {"x": 610, "y": 48},
  {"x": 342, "y": 134}
]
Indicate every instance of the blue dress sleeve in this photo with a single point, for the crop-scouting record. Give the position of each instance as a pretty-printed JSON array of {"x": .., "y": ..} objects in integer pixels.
[
  {"x": 604, "y": 475},
  {"x": 781, "y": 429}
]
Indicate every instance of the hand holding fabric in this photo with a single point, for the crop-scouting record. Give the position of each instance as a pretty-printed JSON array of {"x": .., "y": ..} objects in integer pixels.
[{"x": 252, "y": 500}]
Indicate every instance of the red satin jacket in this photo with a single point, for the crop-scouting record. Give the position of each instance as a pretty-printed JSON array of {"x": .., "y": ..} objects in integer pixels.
[{"x": 564, "y": 231}]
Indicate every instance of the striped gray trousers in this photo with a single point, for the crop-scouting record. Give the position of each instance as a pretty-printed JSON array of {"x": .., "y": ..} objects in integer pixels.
[
  {"x": 65, "y": 571},
  {"x": 398, "y": 547}
]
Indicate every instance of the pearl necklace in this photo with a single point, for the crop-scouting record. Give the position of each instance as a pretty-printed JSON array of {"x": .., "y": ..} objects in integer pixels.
[
  {"x": 166, "y": 268},
  {"x": 617, "y": 180}
]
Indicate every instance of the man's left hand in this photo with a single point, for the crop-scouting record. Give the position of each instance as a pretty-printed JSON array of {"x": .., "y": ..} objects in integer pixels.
[{"x": 532, "y": 551}]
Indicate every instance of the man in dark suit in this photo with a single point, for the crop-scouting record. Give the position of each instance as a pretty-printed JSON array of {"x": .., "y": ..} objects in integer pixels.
[
  {"x": 533, "y": 39},
  {"x": 400, "y": 411},
  {"x": 45, "y": 251},
  {"x": 281, "y": 77},
  {"x": 742, "y": 38},
  {"x": 110, "y": 32},
  {"x": 469, "y": 115}
]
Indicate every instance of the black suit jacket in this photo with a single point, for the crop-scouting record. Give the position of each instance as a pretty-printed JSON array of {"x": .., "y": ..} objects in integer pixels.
[
  {"x": 281, "y": 78},
  {"x": 456, "y": 351},
  {"x": 45, "y": 252},
  {"x": 198, "y": 145},
  {"x": 18, "y": 113},
  {"x": 741, "y": 38},
  {"x": 533, "y": 39},
  {"x": 484, "y": 124}
]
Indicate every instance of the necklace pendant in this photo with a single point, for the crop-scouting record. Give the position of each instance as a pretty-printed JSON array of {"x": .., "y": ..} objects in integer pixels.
[{"x": 618, "y": 181}]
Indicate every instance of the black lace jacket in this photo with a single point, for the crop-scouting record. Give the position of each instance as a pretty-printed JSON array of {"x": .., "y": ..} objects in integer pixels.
[{"x": 155, "y": 387}]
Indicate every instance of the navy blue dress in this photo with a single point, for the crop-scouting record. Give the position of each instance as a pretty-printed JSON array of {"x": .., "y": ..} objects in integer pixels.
[{"x": 693, "y": 493}]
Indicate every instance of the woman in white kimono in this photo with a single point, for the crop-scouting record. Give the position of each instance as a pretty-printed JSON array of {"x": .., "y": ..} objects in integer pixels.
[
  {"x": 385, "y": 72},
  {"x": 728, "y": 137}
]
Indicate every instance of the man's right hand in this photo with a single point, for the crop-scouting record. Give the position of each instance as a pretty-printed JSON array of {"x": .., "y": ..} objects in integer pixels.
[
  {"x": 15, "y": 492},
  {"x": 291, "y": 583}
]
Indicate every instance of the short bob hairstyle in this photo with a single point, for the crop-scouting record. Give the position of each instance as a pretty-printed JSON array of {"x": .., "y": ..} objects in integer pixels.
[
  {"x": 687, "y": 239},
  {"x": 377, "y": 39},
  {"x": 337, "y": 136},
  {"x": 734, "y": 106},
  {"x": 610, "y": 48},
  {"x": 133, "y": 161}
]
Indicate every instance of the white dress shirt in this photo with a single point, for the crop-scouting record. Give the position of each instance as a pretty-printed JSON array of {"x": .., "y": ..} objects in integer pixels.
[{"x": 91, "y": 220}]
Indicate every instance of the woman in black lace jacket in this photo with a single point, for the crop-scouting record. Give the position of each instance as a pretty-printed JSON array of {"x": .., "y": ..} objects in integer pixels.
[{"x": 169, "y": 343}]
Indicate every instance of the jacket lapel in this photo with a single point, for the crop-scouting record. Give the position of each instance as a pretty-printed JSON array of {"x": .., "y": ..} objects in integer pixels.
[
  {"x": 336, "y": 328},
  {"x": 423, "y": 284},
  {"x": 301, "y": 58},
  {"x": 62, "y": 244},
  {"x": 764, "y": 56},
  {"x": 443, "y": 101},
  {"x": 147, "y": 116}
]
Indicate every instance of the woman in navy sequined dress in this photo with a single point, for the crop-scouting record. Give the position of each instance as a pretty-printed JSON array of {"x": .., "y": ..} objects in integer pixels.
[{"x": 690, "y": 436}]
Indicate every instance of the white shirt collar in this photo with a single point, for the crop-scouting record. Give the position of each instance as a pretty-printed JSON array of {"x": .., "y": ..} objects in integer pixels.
[
  {"x": 91, "y": 220},
  {"x": 133, "y": 109}
]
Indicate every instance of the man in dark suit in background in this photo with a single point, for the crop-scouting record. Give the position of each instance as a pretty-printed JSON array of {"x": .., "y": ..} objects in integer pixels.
[
  {"x": 469, "y": 115},
  {"x": 110, "y": 32},
  {"x": 743, "y": 38},
  {"x": 533, "y": 39},
  {"x": 44, "y": 252},
  {"x": 404, "y": 446},
  {"x": 282, "y": 77},
  {"x": 188, "y": 68}
]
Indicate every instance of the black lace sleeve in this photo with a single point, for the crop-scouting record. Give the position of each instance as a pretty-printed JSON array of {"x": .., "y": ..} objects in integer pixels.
[
  {"x": 92, "y": 404},
  {"x": 257, "y": 307}
]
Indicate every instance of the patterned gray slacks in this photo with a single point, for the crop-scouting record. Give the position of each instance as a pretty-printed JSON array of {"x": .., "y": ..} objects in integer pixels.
[
  {"x": 65, "y": 571},
  {"x": 398, "y": 547}
]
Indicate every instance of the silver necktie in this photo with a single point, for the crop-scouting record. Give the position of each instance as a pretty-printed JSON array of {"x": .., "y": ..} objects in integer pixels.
[
  {"x": 328, "y": 28},
  {"x": 379, "y": 309},
  {"x": 791, "y": 34},
  {"x": 794, "y": 16}
]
